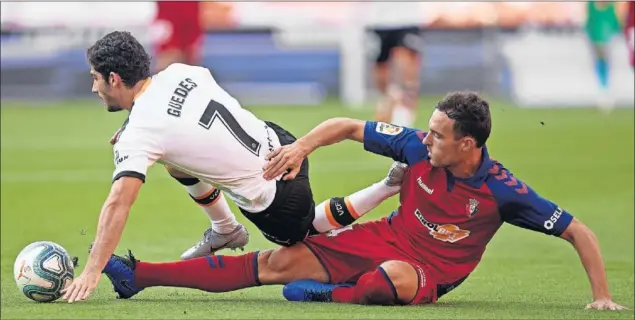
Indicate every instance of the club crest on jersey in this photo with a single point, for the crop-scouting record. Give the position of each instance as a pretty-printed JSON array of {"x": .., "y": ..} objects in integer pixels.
[
  {"x": 388, "y": 129},
  {"x": 471, "y": 207},
  {"x": 446, "y": 232}
]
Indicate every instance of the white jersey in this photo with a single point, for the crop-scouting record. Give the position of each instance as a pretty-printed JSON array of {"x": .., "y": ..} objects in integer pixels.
[{"x": 182, "y": 118}]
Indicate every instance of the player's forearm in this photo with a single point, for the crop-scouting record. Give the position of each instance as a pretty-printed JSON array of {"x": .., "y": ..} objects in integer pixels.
[
  {"x": 333, "y": 131},
  {"x": 586, "y": 244},
  {"x": 111, "y": 224}
]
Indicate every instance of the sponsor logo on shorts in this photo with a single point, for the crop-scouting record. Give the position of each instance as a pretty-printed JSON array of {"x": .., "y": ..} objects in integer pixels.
[
  {"x": 446, "y": 232},
  {"x": 276, "y": 239},
  {"x": 553, "y": 219},
  {"x": 388, "y": 129}
]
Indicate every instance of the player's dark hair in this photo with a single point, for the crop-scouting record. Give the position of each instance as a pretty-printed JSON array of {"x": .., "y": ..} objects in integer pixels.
[
  {"x": 470, "y": 114},
  {"x": 121, "y": 53}
]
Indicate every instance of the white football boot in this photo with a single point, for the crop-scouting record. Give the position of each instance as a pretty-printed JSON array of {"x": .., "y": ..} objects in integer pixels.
[{"x": 213, "y": 241}]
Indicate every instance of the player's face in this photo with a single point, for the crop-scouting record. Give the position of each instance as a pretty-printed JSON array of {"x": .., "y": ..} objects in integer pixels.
[
  {"x": 443, "y": 147},
  {"x": 105, "y": 91}
]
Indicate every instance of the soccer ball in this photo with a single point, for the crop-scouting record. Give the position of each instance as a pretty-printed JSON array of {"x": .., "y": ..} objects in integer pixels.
[{"x": 42, "y": 270}]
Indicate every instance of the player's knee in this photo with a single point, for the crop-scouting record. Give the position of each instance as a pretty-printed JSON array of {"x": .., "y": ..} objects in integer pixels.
[
  {"x": 404, "y": 55},
  {"x": 182, "y": 177},
  {"x": 600, "y": 50},
  {"x": 404, "y": 279}
]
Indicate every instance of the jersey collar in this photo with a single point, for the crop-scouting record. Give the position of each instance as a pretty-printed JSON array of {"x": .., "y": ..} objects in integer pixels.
[
  {"x": 477, "y": 180},
  {"x": 141, "y": 91},
  {"x": 143, "y": 88}
]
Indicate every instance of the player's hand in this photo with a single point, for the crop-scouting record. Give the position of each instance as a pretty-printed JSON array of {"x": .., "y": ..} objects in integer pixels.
[
  {"x": 82, "y": 287},
  {"x": 605, "y": 304},
  {"x": 284, "y": 158},
  {"x": 113, "y": 139}
]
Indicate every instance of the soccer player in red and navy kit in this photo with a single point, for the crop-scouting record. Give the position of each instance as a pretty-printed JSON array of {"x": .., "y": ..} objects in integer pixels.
[{"x": 454, "y": 198}]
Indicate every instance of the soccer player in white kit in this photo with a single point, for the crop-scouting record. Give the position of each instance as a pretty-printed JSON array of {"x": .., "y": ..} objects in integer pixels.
[{"x": 184, "y": 120}]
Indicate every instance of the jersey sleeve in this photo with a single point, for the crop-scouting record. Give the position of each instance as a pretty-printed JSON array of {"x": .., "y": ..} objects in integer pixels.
[
  {"x": 399, "y": 143},
  {"x": 134, "y": 153},
  {"x": 521, "y": 206}
]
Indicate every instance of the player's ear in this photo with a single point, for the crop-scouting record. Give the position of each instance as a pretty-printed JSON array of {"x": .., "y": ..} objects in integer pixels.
[
  {"x": 467, "y": 143},
  {"x": 114, "y": 79}
]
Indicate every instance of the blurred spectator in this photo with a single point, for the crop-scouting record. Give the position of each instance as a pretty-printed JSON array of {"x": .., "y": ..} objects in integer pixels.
[
  {"x": 601, "y": 25},
  {"x": 217, "y": 15},
  {"x": 179, "y": 33},
  {"x": 397, "y": 65}
]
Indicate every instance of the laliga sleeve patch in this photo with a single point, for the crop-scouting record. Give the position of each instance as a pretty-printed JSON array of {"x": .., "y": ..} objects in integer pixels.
[{"x": 389, "y": 129}]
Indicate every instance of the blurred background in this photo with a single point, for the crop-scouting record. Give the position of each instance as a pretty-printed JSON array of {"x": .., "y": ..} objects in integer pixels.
[{"x": 536, "y": 54}]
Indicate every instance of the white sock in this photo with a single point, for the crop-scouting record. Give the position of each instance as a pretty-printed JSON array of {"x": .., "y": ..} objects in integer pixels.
[
  {"x": 402, "y": 116},
  {"x": 215, "y": 206},
  {"x": 338, "y": 212}
]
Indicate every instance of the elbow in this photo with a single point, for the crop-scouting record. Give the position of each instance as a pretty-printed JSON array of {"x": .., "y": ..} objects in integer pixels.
[
  {"x": 577, "y": 231},
  {"x": 332, "y": 131},
  {"x": 353, "y": 128},
  {"x": 341, "y": 122}
]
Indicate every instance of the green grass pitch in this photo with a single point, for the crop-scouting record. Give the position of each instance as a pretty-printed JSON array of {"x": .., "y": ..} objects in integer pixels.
[{"x": 57, "y": 167}]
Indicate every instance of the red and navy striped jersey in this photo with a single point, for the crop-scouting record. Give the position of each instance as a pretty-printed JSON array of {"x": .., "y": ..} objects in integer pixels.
[{"x": 446, "y": 222}]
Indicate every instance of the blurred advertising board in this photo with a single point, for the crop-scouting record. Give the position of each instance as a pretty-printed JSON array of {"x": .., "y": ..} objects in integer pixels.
[{"x": 294, "y": 52}]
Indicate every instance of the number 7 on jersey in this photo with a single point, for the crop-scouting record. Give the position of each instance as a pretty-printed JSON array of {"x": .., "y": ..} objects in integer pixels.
[{"x": 218, "y": 111}]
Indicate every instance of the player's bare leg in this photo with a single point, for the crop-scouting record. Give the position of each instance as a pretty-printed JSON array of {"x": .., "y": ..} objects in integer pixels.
[
  {"x": 356, "y": 205},
  {"x": 404, "y": 87},
  {"x": 600, "y": 54},
  {"x": 225, "y": 232},
  {"x": 216, "y": 273},
  {"x": 381, "y": 75},
  {"x": 393, "y": 282}
]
